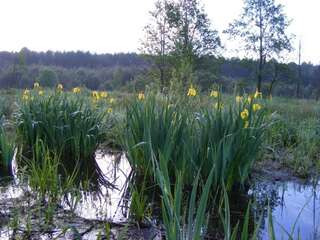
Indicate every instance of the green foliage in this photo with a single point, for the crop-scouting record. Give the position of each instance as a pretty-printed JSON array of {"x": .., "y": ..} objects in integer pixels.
[
  {"x": 262, "y": 25},
  {"x": 193, "y": 139},
  {"x": 228, "y": 146},
  {"x": 178, "y": 227},
  {"x": 293, "y": 139},
  {"x": 48, "y": 78},
  {"x": 6, "y": 105},
  {"x": 234, "y": 232},
  {"x": 67, "y": 124},
  {"x": 179, "y": 33},
  {"x": 43, "y": 173}
]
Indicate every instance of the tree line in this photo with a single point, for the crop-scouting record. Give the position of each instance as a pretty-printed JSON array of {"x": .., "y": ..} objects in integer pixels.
[{"x": 134, "y": 71}]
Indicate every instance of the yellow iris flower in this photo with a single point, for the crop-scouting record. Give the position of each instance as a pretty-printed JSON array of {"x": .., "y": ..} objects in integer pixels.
[
  {"x": 192, "y": 92},
  {"x": 214, "y": 94},
  {"x": 103, "y": 94},
  {"x": 60, "y": 87},
  {"x": 256, "y": 107},
  {"x": 141, "y": 96},
  {"x": 244, "y": 114},
  {"x": 76, "y": 90},
  {"x": 36, "y": 85},
  {"x": 257, "y": 94}
]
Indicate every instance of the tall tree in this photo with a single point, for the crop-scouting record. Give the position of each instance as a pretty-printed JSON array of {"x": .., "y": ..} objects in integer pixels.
[
  {"x": 181, "y": 29},
  {"x": 157, "y": 43},
  {"x": 263, "y": 27},
  {"x": 193, "y": 35},
  {"x": 192, "y": 27}
]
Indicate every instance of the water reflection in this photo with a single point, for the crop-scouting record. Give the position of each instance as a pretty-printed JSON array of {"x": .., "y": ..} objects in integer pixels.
[
  {"x": 289, "y": 201},
  {"x": 293, "y": 204},
  {"x": 107, "y": 203}
]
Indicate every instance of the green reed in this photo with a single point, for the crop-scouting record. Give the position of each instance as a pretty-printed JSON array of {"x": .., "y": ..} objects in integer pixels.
[
  {"x": 67, "y": 124},
  {"x": 192, "y": 140}
]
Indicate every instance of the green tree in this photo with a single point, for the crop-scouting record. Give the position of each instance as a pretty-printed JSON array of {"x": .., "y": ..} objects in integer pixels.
[
  {"x": 180, "y": 30},
  {"x": 262, "y": 25},
  {"x": 193, "y": 35},
  {"x": 48, "y": 78},
  {"x": 157, "y": 43}
]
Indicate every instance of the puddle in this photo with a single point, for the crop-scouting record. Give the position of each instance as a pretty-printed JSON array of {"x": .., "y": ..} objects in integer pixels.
[{"x": 292, "y": 203}]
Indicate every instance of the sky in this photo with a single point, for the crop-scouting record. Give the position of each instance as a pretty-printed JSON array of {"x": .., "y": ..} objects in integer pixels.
[{"x": 110, "y": 26}]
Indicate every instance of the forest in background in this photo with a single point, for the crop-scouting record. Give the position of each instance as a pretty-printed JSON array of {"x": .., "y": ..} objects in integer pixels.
[{"x": 131, "y": 71}]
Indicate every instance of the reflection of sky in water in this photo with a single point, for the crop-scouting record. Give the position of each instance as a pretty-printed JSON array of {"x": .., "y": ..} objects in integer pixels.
[
  {"x": 288, "y": 199},
  {"x": 295, "y": 198},
  {"x": 105, "y": 205}
]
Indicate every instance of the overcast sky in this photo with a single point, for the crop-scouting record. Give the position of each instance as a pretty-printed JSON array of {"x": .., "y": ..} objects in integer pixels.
[{"x": 103, "y": 26}]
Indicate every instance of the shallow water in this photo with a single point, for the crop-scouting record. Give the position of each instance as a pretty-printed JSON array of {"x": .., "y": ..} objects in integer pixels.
[
  {"x": 90, "y": 208},
  {"x": 290, "y": 202},
  {"x": 293, "y": 204},
  {"x": 107, "y": 204}
]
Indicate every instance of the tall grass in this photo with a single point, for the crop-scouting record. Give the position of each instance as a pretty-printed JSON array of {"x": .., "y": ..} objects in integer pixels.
[
  {"x": 44, "y": 176},
  {"x": 294, "y": 138}
]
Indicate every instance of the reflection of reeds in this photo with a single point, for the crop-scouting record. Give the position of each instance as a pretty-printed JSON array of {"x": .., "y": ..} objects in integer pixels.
[{"x": 6, "y": 152}]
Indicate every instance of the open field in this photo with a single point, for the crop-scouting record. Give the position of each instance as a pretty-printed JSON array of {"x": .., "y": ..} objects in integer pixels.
[{"x": 183, "y": 164}]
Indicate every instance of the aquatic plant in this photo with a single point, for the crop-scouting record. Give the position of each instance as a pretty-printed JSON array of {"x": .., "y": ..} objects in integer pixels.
[
  {"x": 179, "y": 224},
  {"x": 190, "y": 140},
  {"x": 152, "y": 124},
  {"x": 229, "y": 141},
  {"x": 236, "y": 232},
  {"x": 67, "y": 124}
]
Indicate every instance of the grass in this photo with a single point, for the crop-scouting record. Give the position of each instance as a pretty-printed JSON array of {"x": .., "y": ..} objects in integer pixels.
[{"x": 295, "y": 137}]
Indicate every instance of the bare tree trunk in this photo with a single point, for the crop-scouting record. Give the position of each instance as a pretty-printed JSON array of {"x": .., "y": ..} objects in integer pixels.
[
  {"x": 260, "y": 51},
  {"x": 299, "y": 74},
  {"x": 162, "y": 78},
  {"x": 274, "y": 79}
]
